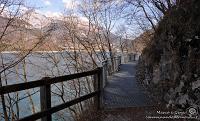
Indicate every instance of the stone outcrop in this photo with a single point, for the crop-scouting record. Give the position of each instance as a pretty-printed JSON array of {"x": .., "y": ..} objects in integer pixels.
[{"x": 170, "y": 65}]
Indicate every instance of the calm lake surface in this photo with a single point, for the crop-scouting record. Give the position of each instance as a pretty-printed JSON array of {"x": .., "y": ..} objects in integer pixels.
[{"x": 35, "y": 67}]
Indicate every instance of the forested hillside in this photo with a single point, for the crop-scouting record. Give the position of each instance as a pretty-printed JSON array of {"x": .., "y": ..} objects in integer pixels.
[{"x": 140, "y": 42}]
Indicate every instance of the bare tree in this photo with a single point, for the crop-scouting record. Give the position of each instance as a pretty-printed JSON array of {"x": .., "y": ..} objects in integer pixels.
[{"x": 13, "y": 35}]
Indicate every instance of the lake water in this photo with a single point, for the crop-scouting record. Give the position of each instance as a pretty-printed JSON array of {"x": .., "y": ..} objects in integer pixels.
[{"x": 37, "y": 66}]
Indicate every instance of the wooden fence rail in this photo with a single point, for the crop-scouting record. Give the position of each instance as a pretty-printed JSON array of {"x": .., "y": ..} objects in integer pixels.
[
  {"x": 45, "y": 93},
  {"x": 100, "y": 79}
]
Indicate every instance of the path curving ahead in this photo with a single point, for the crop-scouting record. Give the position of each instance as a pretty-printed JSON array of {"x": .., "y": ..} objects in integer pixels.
[{"x": 122, "y": 89}]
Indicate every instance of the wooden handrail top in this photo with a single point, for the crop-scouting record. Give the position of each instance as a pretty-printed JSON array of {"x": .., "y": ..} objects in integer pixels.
[
  {"x": 116, "y": 57},
  {"x": 42, "y": 82}
]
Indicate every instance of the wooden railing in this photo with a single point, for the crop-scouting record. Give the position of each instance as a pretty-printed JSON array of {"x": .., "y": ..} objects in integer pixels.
[
  {"x": 109, "y": 67},
  {"x": 45, "y": 93},
  {"x": 100, "y": 78}
]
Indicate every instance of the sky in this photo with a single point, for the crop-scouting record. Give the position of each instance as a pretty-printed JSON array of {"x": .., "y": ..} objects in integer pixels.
[
  {"x": 51, "y": 8},
  {"x": 55, "y": 8}
]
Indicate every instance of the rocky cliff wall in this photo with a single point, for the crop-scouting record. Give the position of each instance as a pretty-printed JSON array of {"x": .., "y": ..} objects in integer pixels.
[{"x": 170, "y": 65}]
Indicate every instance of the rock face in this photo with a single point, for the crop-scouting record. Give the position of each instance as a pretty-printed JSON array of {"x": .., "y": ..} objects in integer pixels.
[{"x": 170, "y": 65}]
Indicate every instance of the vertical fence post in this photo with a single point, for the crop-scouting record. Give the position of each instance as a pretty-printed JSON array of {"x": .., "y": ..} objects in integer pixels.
[
  {"x": 120, "y": 60},
  {"x": 96, "y": 98},
  {"x": 129, "y": 57},
  {"x": 98, "y": 86},
  {"x": 116, "y": 64},
  {"x": 126, "y": 58},
  {"x": 109, "y": 65},
  {"x": 105, "y": 69},
  {"x": 134, "y": 57},
  {"x": 3, "y": 102},
  {"x": 45, "y": 100},
  {"x": 119, "y": 63},
  {"x": 112, "y": 65}
]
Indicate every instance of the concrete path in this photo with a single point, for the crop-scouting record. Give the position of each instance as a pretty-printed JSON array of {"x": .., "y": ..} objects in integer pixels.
[{"x": 122, "y": 89}]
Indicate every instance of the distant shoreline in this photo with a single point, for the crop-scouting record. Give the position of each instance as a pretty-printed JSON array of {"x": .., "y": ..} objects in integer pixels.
[
  {"x": 35, "y": 51},
  {"x": 54, "y": 51}
]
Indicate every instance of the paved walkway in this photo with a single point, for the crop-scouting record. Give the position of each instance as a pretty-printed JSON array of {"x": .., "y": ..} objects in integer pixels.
[{"x": 122, "y": 89}]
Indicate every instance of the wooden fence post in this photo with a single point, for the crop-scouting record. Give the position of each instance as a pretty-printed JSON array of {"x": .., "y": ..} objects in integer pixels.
[
  {"x": 109, "y": 66},
  {"x": 119, "y": 63},
  {"x": 134, "y": 57},
  {"x": 45, "y": 100},
  {"x": 3, "y": 102},
  {"x": 115, "y": 64},
  {"x": 120, "y": 60},
  {"x": 105, "y": 72},
  {"x": 126, "y": 58},
  {"x": 98, "y": 86}
]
